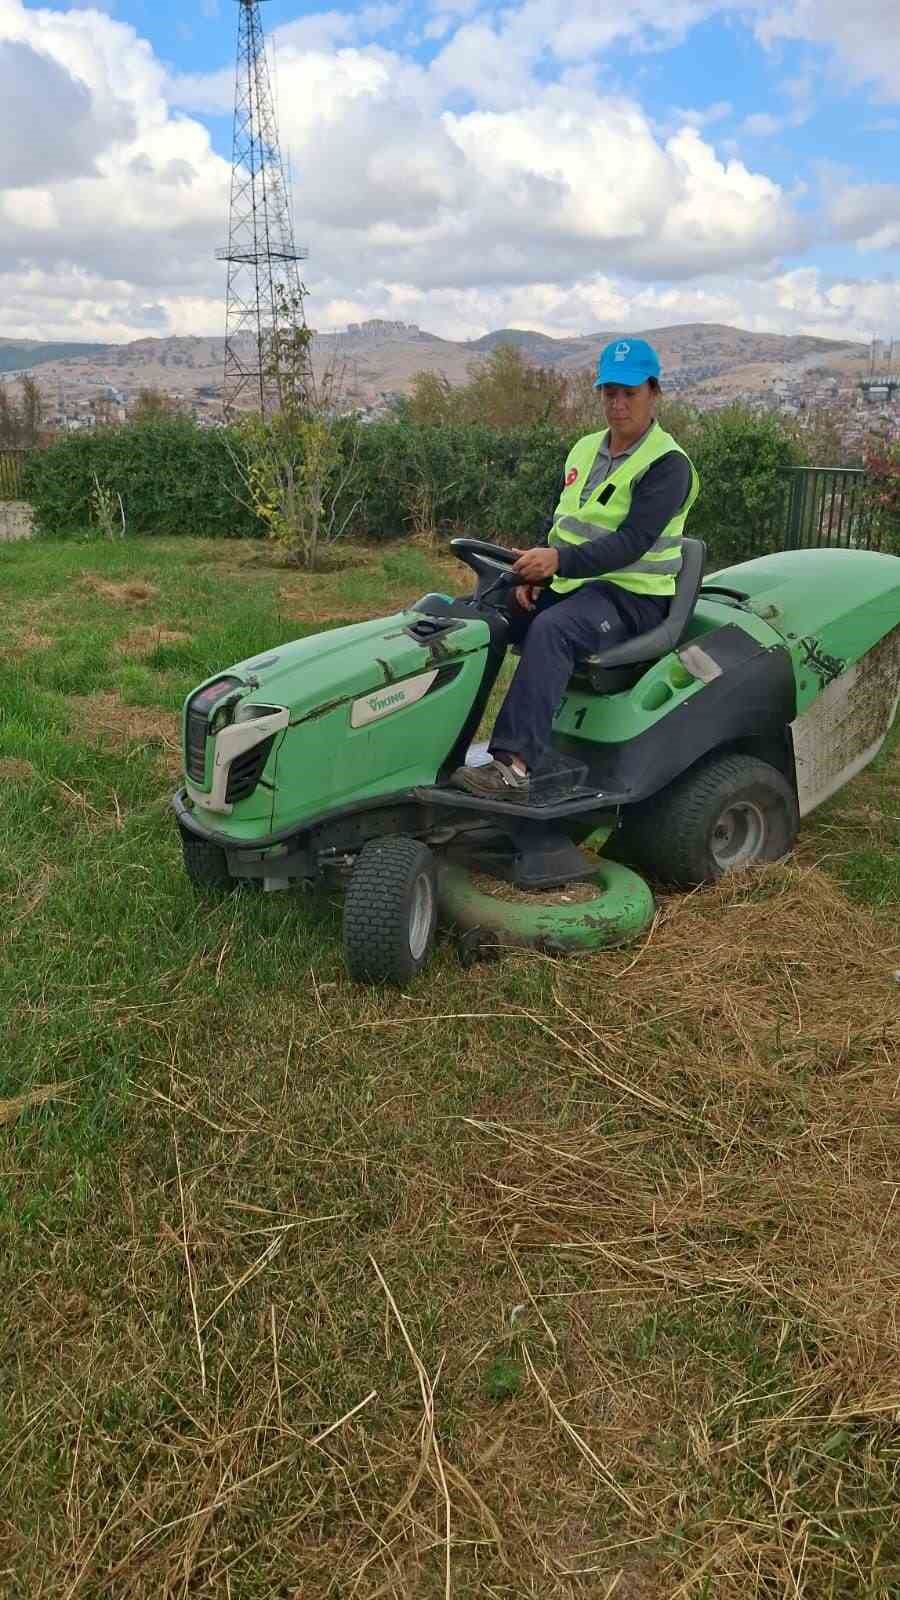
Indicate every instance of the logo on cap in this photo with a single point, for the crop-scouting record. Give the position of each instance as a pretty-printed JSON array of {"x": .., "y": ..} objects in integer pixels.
[
  {"x": 571, "y": 477},
  {"x": 622, "y": 350}
]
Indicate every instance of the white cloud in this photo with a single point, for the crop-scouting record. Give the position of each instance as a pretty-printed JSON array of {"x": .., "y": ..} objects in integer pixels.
[
  {"x": 375, "y": 19},
  {"x": 865, "y": 35},
  {"x": 686, "y": 117},
  {"x": 109, "y": 188},
  {"x": 319, "y": 31},
  {"x": 803, "y": 300},
  {"x": 29, "y": 78},
  {"x": 480, "y": 189},
  {"x": 797, "y": 96},
  {"x": 492, "y": 57},
  {"x": 390, "y": 184},
  {"x": 868, "y": 213},
  {"x": 761, "y": 123}
]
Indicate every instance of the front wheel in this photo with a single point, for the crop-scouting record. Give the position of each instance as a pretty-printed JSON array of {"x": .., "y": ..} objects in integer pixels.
[
  {"x": 206, "y": 865},
  {"x": 390, "y": 911},
  {"x": 728, "y": 813}
]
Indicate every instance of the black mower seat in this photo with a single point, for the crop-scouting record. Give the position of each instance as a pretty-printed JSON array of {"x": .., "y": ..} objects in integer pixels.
[{"x": 615, "y": 670}]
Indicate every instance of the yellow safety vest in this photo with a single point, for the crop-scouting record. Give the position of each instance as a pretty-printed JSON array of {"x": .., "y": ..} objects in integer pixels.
[{"x": 609, "y": 505}]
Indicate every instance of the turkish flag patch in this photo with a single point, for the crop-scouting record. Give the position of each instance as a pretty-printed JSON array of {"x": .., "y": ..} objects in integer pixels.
[{"x": 571, "y": 477}]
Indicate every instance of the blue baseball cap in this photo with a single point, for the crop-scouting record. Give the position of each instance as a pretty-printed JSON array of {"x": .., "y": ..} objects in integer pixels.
[{"x": 629, "y": 361}]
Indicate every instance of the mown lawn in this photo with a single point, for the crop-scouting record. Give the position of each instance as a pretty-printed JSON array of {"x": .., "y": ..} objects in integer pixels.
[{"x": 541, "y": 1279}]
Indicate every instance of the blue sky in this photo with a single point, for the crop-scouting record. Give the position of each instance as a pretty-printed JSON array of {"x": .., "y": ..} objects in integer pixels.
[{"x": 562, "y": 164}]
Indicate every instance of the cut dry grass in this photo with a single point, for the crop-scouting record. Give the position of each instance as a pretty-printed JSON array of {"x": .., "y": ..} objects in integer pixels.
[
  {"x": 363, "y": 580},
  {"x": 563, "y": 895},
  {"x": 11, "y": 1110},
  {"x": 545, "y": 1279},
  {"x": 144, "y": 640},
  {"x": 102, "y": 718},
  {"x": 15, "y": 771},
  {"x": 26, "y": 641},
  {"x": 134, "y": 592}
]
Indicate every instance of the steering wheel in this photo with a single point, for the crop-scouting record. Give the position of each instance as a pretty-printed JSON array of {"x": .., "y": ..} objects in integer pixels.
[{"x": 486, "y": 560}]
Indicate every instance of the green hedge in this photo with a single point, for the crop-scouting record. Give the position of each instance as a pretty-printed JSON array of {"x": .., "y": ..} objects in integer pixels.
[
  {"x": 466, "y": 478},
  {"x": 742, "y": 505},
  {"x": 175, "y": 478}
]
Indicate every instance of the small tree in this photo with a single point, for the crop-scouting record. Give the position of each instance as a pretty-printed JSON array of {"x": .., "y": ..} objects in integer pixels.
[
  {"x": 299, "y": 466},
  {"x": 883, "y": 467},
  {"x": 150, "y": 405},
  {"x": 505, "y": 390},
  {"x": 20, "y": 420},
  {"x": 104, "y": 410},
  {"x": 819, "y": 436},
  {"x": 107, "y": 509},
  {"x": 433, "y": 400}
]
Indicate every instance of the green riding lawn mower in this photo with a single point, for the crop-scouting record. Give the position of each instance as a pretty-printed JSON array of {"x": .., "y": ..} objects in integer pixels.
[{"x": 678, "y": 756}]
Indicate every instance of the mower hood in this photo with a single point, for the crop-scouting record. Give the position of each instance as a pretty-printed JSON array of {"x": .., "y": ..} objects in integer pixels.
[
  {"x": 293, "y": 727},
  {"x": 844, "y": 601}
]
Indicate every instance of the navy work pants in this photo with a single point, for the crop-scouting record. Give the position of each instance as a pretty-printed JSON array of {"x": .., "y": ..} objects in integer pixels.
[{"x": 561, "y": 628}]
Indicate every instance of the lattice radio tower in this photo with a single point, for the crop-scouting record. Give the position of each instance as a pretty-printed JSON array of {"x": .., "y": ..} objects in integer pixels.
[{"x": 263, "y": 260}]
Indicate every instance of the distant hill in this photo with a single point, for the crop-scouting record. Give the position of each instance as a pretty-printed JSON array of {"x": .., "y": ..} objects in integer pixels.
[
  {"x": 382, "y": 358},
  {"x": 540, "y": 347},
  {"x": 16, "y": 355},
  {"x": 685, "y": 345}
]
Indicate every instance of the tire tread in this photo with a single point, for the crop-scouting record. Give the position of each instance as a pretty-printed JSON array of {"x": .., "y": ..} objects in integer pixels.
[
  {"x": 662, "y": 837},
  {"x": 206, "y": 864},
  {"x": 376, "y": 921}
]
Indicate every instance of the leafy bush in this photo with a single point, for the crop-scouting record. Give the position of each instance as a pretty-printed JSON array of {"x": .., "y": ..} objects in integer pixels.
[
  {"x": 883, "y": 467},
  {"x": 459, "y": 478},
  {"x": 174, "y": 478},
  {"x": 741, "y": 457},
  {"x": 505, "y": 390},
  {"x": 408, "y": 477}
]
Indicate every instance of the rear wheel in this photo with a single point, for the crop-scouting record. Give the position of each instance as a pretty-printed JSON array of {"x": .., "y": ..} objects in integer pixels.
[
  {"x": 390, "y": 911},
  {"x": 206, "y": 865},
  {"x": 730, "y": 812}
]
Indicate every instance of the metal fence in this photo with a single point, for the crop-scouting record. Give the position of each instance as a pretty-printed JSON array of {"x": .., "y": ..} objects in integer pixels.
[
  {"x": 11, "y": 464},
  {"x": 829, "y": 506}
]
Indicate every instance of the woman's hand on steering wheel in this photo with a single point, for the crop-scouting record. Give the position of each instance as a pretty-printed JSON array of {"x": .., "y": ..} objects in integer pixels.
[{"x": 536, "y": 566}]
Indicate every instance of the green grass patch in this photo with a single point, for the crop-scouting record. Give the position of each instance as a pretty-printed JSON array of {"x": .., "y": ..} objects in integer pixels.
[{"x": 599, "y": 1255}]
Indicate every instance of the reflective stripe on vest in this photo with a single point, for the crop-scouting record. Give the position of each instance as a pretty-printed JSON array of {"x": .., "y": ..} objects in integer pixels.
[{"x": 657, "y": 569}]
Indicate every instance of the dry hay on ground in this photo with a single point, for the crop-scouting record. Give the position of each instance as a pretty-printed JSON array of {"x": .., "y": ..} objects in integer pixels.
[
  {"x": 673, "y": 1214},
  {"x": 675, "y": 1219},
  {"x": 103, "y": 719},
  {"x": 565, "y": 894},
  {"x": 28, "y": 895},
  {"x": 135, "y": 592},
  {"x": 752, "y": 1050},
  {"x": 13, "y": 770},
  {"x": 26, "y": 641},
  {"x": 316, "y": 597},
  {"x": 11, "y": 1110},
  {"x": 302, "y": 607},
  {"x": 144, "y": 640}
]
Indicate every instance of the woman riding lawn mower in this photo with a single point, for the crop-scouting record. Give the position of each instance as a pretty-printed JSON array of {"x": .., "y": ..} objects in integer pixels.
[{"x": 684, "y": 752}]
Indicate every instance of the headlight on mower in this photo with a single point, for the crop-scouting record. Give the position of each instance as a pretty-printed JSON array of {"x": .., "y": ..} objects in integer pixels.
[
  {"x": 246, "y": 712},
  {"x": 243, "y": 734}
]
